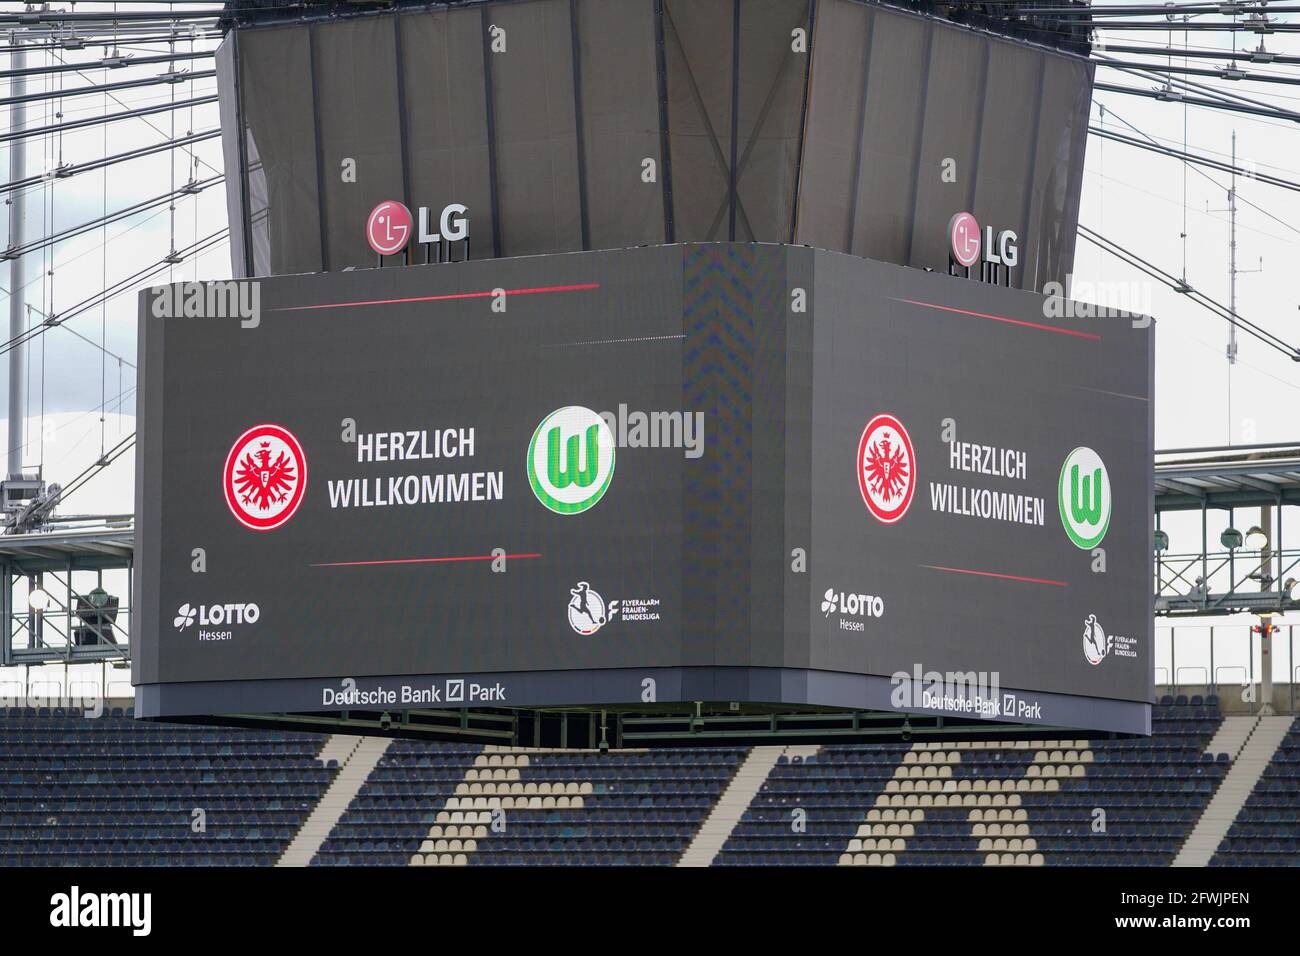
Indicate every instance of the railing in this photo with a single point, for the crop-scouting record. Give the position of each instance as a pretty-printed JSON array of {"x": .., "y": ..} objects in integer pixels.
[
  {"x": 1219, "y": 581},
  {"x": 1245, "y": 674},
  {"x": 71, "y": 623},
  {"x": 85, "y": 692},
  {"x": 1190, "y": 667}
]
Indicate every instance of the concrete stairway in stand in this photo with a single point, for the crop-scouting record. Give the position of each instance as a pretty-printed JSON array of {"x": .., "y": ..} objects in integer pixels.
[
  {"x": 1251, "y": 743},
  {"x": 731, "y": 806},
  {"x": 356, "y": 757}
]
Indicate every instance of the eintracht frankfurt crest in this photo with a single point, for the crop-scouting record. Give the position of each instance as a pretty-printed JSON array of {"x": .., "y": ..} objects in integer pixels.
[
  {"x": 886, "y": 468},
  {"x": 265, "y": 477}
]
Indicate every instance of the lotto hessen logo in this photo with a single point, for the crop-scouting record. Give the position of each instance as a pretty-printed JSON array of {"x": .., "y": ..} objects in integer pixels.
[
  {"x": 587, "y": 610},
  {"x": 964, "y": 239},
  {"x": 886, "y": 468},
  {"x": 388, "y": 229},
  {"x": 1083, "y": 498},
  {"x": 1096, "y": 645},
  {"x": 184, "y": 617},
  {"x": 571, "y": 460},
  {"x": 847, "y": 602},
  {"x": 215, "y": 615},
  {"x": 265, "y": 477}
]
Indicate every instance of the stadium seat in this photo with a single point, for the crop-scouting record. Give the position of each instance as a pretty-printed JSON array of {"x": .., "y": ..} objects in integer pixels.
[{"x": 121, "y": 793}]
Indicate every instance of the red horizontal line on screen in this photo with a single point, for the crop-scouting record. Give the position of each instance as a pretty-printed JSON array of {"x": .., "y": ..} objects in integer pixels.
[
  {"x": 995, "y": 574},
  {"x": 1002, "y": 318},
  {"x": 580, "y": 287},
  {"x": 465, "y": 557}
]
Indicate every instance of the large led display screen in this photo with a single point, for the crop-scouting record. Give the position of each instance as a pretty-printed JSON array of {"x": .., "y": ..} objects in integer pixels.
[{"x": 726, "y": 471}]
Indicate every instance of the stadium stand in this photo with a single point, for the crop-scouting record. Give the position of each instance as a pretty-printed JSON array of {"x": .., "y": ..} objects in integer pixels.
[
  {"x": 574, "y": 807},
  {"x": 754, "y": 770},
  {"x": 1003, "y": 803},
  {"x": 113, "y": 791},
  {"x": 356, "y": 758},
  {"x": 811, "y": 807},
  {"x": 1266, "y": 831},
  {"x": 435, "y": 804},
  {"x": 1152, "y": 790},
  {"x": 398, "y": 804}
]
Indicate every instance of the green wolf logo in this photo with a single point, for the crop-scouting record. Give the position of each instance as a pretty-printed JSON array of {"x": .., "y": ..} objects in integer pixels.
[
  {"x": 571, "y": 460},
  {"x": 1083, "y": 497}
]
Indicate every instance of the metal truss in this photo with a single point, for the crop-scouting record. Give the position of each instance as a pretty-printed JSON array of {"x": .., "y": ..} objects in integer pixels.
[
  {"x": 1244, "y": 564},
  {"x": 54, "y": 599}
]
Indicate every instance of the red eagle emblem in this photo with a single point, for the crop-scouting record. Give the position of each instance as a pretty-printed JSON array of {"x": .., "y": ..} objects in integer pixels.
[
  {"x": 886, "y": 468},
  {"x": 260, "y": 482},
  {"x": 265, "y": 477}
]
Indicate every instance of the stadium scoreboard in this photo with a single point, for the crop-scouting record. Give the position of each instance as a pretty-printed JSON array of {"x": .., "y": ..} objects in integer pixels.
[{"x": 706, "y": 472}]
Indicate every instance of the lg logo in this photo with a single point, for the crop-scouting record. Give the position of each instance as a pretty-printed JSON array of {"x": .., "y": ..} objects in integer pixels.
[
  {"x": 964, "y": 239},
  {"x": 390, "y": 228},
  {"x": 996, "y": 255}
]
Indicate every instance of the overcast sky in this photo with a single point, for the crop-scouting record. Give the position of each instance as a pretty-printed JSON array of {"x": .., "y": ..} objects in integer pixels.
[{"x": 1141, "y": 200}]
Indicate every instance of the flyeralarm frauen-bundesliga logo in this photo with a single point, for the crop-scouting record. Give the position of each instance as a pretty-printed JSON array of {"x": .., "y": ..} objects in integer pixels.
[
  {"x": 571, "y": 460},
  {"x": 1083, "y": 497}
]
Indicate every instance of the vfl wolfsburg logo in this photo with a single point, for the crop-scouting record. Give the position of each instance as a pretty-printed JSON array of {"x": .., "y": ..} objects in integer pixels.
[
  {"x": 1083, "y": 495},
  {"x": 571, "y": 460}
]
